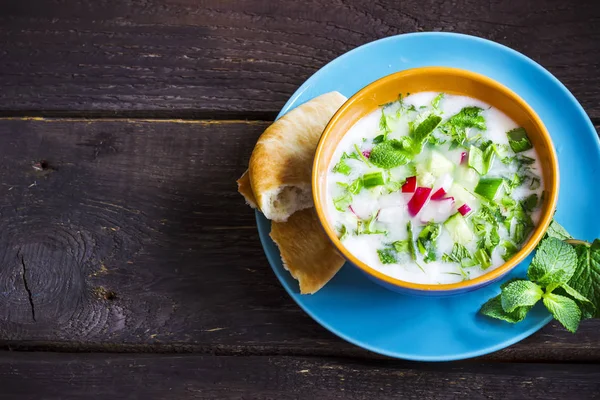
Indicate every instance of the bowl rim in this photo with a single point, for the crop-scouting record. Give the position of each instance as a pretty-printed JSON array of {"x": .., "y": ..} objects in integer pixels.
[{"x": 488, "y": 277}]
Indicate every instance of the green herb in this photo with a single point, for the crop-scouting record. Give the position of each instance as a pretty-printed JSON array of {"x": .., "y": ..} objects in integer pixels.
[
  {"x": 342, "y": 202},
  {"x": 564, "y": 274},
  {"x": 557, "y": 231},
  {"x": 518, "y": 140},
  {"x": 493, "y": 308},
  {"x": 460, "y": 255},
  {"x": 368, "y": 227},
  {"x": 411, "y": 242},
  {"x": 383, "y": 124},
  {"x": 373, "y": 179},
  {"x": 387, "y": 256},
  {"x": 509, "y": 250},
  {"x": 342, "y": 167},
  {"x": 426, "y": 241},
  {"x": 343, "y": 232},
  {"x": 586, "y": 278},
  {"x": 435, "y": 103},
  {"x": 530, "y": 202},
  {"x": 422, "y": 132},
  {"x": 361, "y": 155},
  {"x": 535, "y": 183},
  {"x": 457, "y": 125},
  {"x": 520, "y": 293},
  {"x": 390, "y": 154},
  {"x": 378, "y": 139}
]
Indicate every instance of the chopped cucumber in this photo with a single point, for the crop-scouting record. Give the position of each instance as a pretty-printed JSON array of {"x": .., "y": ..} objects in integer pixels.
[
  {"x": 489, "y": 187},
  {"x": 425, "y": 179},
  {"x": 438, "y": 165},
  {"x": 459, "y": 229},
  {"x": 467, "y": 177},
  {"x": 462, "y": 196}
]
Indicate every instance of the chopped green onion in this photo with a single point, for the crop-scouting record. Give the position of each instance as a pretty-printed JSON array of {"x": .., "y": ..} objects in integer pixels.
[
  {"x": 373, "y": 179},
  {"x": 518, "y": 140}
]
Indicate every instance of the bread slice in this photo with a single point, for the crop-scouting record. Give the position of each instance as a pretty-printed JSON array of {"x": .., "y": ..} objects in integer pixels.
[
  {"x": 306, "y": 251},
  {"x": 281, "y": 162}
]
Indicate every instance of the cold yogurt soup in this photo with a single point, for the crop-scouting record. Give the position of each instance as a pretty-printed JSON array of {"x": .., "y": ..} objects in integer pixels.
[{"x": 434, "y": 188}]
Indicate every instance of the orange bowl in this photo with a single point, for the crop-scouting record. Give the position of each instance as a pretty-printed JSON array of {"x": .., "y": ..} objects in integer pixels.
[{"x": 451, "y": 81}]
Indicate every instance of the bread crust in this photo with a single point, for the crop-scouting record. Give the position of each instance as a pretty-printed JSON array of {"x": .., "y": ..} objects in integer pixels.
[{"x": 283, "y": 157}]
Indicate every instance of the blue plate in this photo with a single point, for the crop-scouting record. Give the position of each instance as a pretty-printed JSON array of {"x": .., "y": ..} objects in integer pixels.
[{"x": 432, "y": 328}]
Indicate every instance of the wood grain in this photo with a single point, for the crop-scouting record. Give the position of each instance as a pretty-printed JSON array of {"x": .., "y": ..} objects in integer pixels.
[
  {"x": 244, "y": 58},
  {"x": 134, "y": 239},
  {"x": 96, "y": 376}
]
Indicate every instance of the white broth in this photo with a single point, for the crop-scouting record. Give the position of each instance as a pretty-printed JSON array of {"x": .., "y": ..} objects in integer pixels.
[{"x": 459, "y": 172}]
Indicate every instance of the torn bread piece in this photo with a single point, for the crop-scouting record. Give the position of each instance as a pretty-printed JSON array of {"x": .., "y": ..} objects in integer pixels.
[
  {"x": 306, "y": 251},
  {"x": 246, "y": 190},
  {"x": 281, "y": 162}
]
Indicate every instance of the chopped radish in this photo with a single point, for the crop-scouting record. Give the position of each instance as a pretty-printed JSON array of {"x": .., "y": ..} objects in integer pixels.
[
  {"x": 410, "y": 185},
  {"x": 351, "y": 209},
  {"x": 463, "y": 157},
  {"x": 439, "y": 194},
  {"x": 464, "y": 209},
  {"x": 418, "y": 200},
  {"x": 444, "y": 181},
  {"x": 366, "y": 153}
]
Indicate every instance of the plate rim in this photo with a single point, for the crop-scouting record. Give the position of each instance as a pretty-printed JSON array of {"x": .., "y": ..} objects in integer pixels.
[{"x": 263, "y": 225}]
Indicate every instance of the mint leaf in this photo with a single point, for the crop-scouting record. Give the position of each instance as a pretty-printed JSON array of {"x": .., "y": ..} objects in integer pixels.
[
  {"x": 423, "y": 130},
  {"x": 461, "y": 255},
  {"x": 554, "y": 262},
  {"x": 520, "y": 294},
  {"x": 390, "y": 154},
  {"x": 518, "y": 140},
  {"x": 564, "y": 310},
  {"x": 586, "y": 279},
  {"x": 493, "y": 308},
  {"x": 556, "y": 230}
]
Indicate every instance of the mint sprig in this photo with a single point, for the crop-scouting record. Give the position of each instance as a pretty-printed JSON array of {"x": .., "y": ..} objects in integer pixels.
[{"x": 564, "y": 274}]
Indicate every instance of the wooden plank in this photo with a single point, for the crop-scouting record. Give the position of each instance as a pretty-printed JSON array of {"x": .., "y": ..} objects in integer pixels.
[
  {"x": 68, "y": 376},
  {"x": 223, "y": 58},
  {"x": 133, "y": 238}
]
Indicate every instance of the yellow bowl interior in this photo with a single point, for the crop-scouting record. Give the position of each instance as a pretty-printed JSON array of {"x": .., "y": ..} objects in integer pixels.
[{"x": 450, "y": 81}]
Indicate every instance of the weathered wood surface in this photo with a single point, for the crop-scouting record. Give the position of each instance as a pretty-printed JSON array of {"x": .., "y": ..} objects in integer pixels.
[
  {"x": 98, "y": 376},
  {"x": 134, "y": 239},
  {"x": 244, "y": 58}
]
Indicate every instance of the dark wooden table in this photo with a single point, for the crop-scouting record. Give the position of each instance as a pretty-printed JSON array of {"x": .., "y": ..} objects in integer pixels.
[{"x": 129, "y": 265}]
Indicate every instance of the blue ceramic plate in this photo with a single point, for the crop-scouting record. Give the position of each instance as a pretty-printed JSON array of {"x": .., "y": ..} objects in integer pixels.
[{"x": 449, "y": 328}]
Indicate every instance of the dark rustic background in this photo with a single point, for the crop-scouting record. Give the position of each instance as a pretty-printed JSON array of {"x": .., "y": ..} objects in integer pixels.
[{"x": 131, "y": 238}]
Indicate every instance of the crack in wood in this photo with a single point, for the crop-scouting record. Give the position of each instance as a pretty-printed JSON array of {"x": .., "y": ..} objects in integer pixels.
[{"x": 26, "y": 284}]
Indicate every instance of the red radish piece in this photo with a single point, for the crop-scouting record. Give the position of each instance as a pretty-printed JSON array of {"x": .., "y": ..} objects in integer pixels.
[
  {"x": 410, "y": 185},
  {"x": 463, "y": 157},
  {"x": 439, "y": 194},
  {"x": 464, "y": 209},
  {"x": 418, "y": 200},
  {"x": 366, "y": 153}
]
